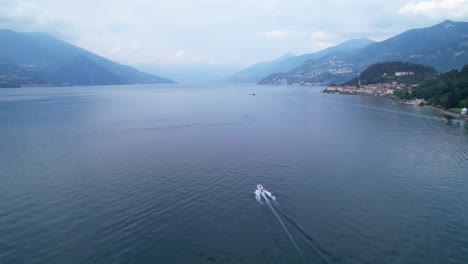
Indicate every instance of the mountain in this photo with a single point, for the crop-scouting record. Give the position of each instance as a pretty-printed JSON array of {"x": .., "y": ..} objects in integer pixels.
[
  {"x": 400, "y": 72},
  {"x": 40, "y": 59},
  {"x": 256, "y": 72},
  {"x": 443, "y": 46}
]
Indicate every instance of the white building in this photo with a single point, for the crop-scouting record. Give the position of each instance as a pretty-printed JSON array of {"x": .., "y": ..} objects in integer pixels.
[
  {"x": 403, "y": 73},
  {"x": 464, "y": 111}
]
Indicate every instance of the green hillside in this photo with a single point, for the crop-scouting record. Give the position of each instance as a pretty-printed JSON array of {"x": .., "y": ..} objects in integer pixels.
[
  {"x": 450, "y": 90},
  {"x": 388, "y": 72}
]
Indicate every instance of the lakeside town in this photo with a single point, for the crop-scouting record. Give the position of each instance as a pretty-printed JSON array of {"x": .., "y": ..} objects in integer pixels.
[
  {"x": 380, "y": 89},
  {"x": 389, "y": 90}
]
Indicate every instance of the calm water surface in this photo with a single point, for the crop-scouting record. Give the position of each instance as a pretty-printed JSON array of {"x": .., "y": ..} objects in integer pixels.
[{"x": 166, "y": 174}]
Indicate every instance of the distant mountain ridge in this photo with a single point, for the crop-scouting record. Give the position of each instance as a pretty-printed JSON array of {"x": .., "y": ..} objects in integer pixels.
[
  {"x": 40, "y": 59},
  {"x": 257, "y": 72},
  {"x": 443, "y": 46}
]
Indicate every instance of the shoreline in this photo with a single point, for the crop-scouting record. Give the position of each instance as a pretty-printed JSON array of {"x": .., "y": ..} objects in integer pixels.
[
  {"x": 447, "y": 112},
  {"x": 399, "y": 101}
]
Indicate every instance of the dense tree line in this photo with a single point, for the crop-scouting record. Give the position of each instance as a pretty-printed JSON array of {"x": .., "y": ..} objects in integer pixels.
[
  {"x": 449, "y": 90},
  {"x": 385, "y": 73}
]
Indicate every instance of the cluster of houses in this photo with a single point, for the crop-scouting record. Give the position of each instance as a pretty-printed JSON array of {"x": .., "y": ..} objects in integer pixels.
[{"x": 378, "y": 89}]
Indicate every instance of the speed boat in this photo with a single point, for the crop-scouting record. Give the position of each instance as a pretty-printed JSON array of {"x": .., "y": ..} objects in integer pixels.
[{"x": 261, "y": 192}]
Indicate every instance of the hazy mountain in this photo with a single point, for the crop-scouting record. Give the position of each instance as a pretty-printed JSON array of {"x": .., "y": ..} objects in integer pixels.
[
  {"x": 443, "y": 46},
  {"x": 288, "y": 62},
  {"x": 37, "y": 58},
  {"x": 192, "y": 74}
]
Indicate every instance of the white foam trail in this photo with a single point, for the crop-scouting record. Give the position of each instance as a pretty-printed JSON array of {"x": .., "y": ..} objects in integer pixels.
[{"x": 285, "y": 228}]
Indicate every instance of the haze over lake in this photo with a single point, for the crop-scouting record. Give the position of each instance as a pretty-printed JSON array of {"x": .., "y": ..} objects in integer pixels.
[{"x": 167, "y": 174}]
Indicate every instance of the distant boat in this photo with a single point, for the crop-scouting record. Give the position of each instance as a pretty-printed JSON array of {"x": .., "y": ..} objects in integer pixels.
[{"x": 252, "y": 93}]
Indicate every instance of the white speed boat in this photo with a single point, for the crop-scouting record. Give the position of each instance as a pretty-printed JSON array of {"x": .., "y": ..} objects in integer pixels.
[{"x": 261, "y": 192}]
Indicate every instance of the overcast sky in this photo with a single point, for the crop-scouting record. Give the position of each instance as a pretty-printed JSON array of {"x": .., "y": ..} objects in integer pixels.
[{"x": 216, "y": 32}]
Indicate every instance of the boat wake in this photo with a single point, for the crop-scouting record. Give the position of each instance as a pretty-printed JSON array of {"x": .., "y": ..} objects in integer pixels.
[
  {"x": 311, "y": 241},
  {"x": 284, "y": 227},
  {"x": 314, "y": 248}
]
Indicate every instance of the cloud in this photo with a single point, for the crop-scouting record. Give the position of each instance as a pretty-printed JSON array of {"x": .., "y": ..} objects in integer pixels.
[
  {"x": 437, "y": 9},
  {"x": 283, "y": 34},
  {"x": 240, "y": 32},
  {"x": 179, "y": 54},
  {"x": 272, "y": 7},
  {"x": 311, "y": 40},
  {"x": 277, "y": 34},
  {"x": 178, "y": 57}
]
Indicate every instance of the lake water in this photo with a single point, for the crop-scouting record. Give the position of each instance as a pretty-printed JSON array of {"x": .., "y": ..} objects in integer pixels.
[{"x": 166, "y": 174}]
